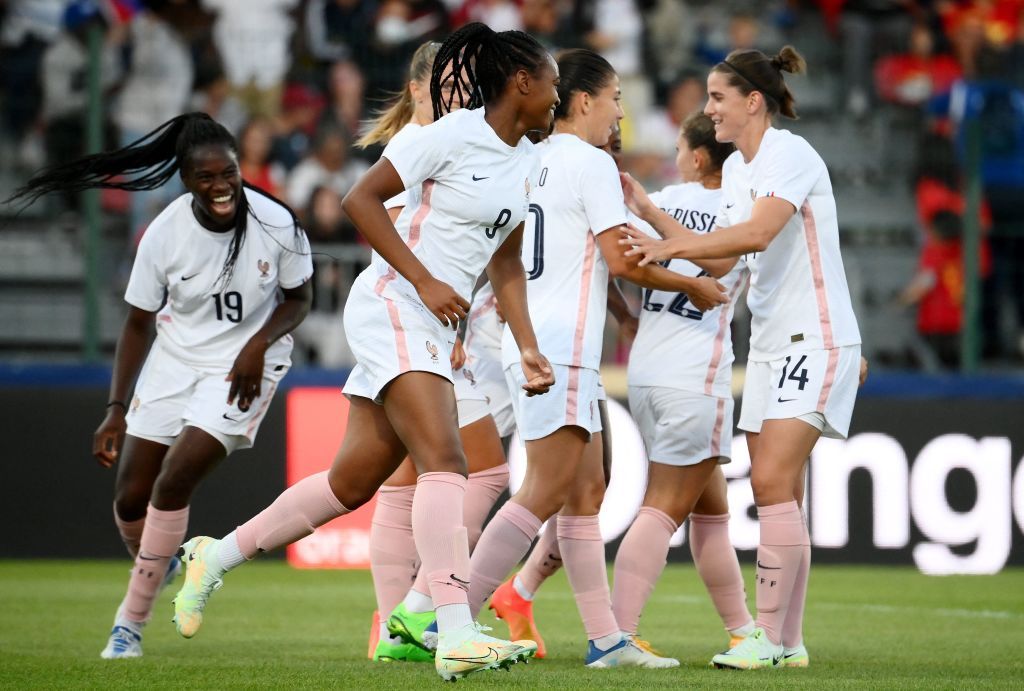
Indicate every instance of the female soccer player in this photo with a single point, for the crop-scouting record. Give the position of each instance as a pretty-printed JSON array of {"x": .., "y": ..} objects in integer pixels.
[
  {"x": 474, "y": 170},
  {"x": 802, "y": 374},
  {"x": 221, "y": 253},
  {"x": 393, "y": 558},
  {"x": 578, "y": 208}
]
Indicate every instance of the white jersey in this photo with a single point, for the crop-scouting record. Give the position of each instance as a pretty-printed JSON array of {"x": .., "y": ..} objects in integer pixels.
[
  {"x": 798, "y": 297},
  {"x": 677, "y": 346},
  {"x": 402, "y": 198},
  {"x": 483, "y": 332},
  {"x": 578, "y": 196},
  {"x": 471, "y": 190},
  {"x": 204, "y": 322}
]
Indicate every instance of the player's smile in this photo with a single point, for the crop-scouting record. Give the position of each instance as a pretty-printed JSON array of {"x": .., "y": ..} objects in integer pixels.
[{"x": 213, "y": 178}]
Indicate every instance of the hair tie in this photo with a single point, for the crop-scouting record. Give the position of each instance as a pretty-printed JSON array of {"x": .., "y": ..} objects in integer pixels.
[{"x": 754, "y": 83}]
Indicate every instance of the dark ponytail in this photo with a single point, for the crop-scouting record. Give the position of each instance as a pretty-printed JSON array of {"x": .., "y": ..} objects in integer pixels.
[
  {"x": 147, "y": 164},
  {"x": 752, "y": 70},
  {"x": 480, "y": 62},
  {"x": 580, "y": 70}
]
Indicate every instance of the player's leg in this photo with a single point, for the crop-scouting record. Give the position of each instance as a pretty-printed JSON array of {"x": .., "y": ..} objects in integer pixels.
[
  {"x": 369, "y": 454},
  {"x": 795, "y": 653},
  {"x": 422, "y": 411},
  {"x": 512, "y": 602},
  {"x": 716, "y": 560},
  {"x": 393, "y": 561},
  {"x": 782, "y": 450},
  {"x": 671, "y": 494}
]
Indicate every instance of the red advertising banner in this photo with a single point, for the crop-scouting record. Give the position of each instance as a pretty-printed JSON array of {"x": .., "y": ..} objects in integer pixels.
[{"x": 316, "y": 420}]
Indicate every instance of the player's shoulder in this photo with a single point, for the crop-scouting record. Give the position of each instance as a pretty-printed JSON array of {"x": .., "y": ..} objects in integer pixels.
[
  {"x": 786, "y": 143},
  {"x": 407, "y": 132},
  {"x": 166, "y": 222}
]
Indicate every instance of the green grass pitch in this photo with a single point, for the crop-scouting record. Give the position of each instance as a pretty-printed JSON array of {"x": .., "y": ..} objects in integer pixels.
[{"x": 274, "y": 627}]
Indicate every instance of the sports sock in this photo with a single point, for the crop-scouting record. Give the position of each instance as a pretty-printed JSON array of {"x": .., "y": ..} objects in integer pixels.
[
  {"x": 482, "y": 491},
  {"x": 544, "y": 560},
  {"x": 418, "y": 602},
  {"x": 161, "y": 538},
  {"x": 778, "y": 561},
  {"x": 609, "y": 641},
  {"x": 296, "y": 513},
  {"x": 393, "y": 556},
  {"x": 228, "y": 553},
  {"x": 521, "y": 590},
  {"x": 793, "y": 626},
  {"x": 639, "y": 563},
  {"x": 719, "y": 568},
  {"x": 441, "y": 540},
  {"x": 131, "y": 532},
  {"x": 579, "y": 538},
  {"x": 504, "y": 542}
]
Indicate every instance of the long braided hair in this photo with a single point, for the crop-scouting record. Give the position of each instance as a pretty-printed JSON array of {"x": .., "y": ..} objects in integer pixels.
[
  {"x": 147, "y": 164},
  {"x": 479, "y": 62}
]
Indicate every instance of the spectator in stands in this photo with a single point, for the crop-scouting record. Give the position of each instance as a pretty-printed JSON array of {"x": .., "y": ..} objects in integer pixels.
[
  {"x": 868, "y": 27},
  {"x": 915, "y": 77},
  {"x": 938, "y": 185},
  {"x": 294, "y": 128},
  {"x": 651, "y": 139},
  {"x": 743, "y": 32},
  {"x": 158, "y": 87},
  {"x": 346, "y": 96},
  {"x": 65, "y": 81},
  {"x": 329, "y": 164},
  {"x": 253, "y": 39},
  {"x": 28, "y": 27},
  {"x": 937, "y": 287},
  {"x": 500, "y": 15},
  {"x": 325, "y": 221},
  {"x": 254, "y": 157},
  {"x": 617, "y": 34},
  {"x": 341, "y": 30}
]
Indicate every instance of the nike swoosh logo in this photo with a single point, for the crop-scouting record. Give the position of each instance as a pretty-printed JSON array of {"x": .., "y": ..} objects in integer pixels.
[
  {"x": 186, "y": 278},
  {"x": 225, "y": 416},
  {"x": 476, "y": 179},
  {"x": 762, "y": 566},
  {"x": 776, "y": 660},
  {"x": 459, "y": 580},
  {"x": 789, "y": 655},
  {"x": 490, "y": 657},
  {"x": 729, "y": 206},
  {"x": 785, "y": 400}
]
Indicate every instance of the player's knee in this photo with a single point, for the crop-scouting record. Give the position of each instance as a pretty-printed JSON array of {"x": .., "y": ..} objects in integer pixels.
[
  {"x": 130, "y": 502},
  {"x": 442, "y": 460},
  {"x": 173, "y": 489},
  {"x": 767, "y": 490}
]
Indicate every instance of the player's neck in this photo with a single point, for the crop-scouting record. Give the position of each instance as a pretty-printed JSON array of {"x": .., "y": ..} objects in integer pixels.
[
  {"x": 749, "y": 141},
  {"x": 711, "y": 181},
  {"x": 506, "y": 124}
]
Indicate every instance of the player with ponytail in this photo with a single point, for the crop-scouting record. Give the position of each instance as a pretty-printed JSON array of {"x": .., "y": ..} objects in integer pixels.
[{"x": 222, "y": 275}]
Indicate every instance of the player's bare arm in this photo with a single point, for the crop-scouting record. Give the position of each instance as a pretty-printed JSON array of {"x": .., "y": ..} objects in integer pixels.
[
  {"x": 508, "y": 278},
  {"x": 364, "y": 204}
]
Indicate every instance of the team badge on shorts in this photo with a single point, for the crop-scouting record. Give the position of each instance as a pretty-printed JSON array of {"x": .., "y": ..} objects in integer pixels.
[
  {"x": 432, "y": 349},
  {"x": 264, "y": 268},
  {"x": 136, "y": 402},
  {"x": 468, "y": 374}
]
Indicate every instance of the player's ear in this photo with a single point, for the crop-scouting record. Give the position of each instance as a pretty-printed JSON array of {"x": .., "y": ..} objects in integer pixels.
[{"x": 523, "y": 83}]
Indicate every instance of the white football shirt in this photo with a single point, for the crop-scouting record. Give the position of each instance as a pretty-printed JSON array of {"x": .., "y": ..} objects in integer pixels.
[
  {"x": 799, "y": 299},
  {"x": 483, "y": 332},
  {"x": 204, "y": 322},
  {"x": 578, "y": 196},
  {"x": 402, "y": 198},
  {"x": 678, "y": 346},
  {"x": 473, "y": 190}
]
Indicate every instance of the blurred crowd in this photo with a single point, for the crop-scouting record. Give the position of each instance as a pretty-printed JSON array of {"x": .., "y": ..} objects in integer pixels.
[{"x": 295, "y": 79}]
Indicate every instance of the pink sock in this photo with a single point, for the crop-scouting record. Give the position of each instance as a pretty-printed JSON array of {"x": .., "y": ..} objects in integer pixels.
[
  {"x": 131, "y": 532},
  {"x": 778, "y": 561},
  {"x": 719, "y": 568},
  {"x": 482, "y": 490},
  {"x": 161, "y": 538},
  {"x": 638, "y": 565},
  {"x": 393, "y": 556},
  {"x": 504, "y": 542},
  {"x": 579, "y": 538},
  {"x": 441, "y": 537},
  {"x": 296, "y": 513},
  {"x": 793, "y": 627},
  {"x": 544, "y": 561}
]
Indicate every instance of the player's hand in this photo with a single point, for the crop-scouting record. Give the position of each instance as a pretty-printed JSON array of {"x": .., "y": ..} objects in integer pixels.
[
  {"x": 863, "y": 371},
  {"x": 707, "y": 294},
  {"x": 109, "y": 437},
  {"x": 636, "y": 197},
  {"x": 458, "y": 358},
  {"x": 443, "y": 302},
  {"x": 649, "y": 250},
  {"x": 246, "y": 375},
  {"x": 539, "y": 374}
]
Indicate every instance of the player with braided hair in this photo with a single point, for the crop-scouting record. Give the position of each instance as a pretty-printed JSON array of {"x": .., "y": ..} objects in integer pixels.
[
  {"x": 222, "y": 342},
  {"x": 474, "y": 170}
]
